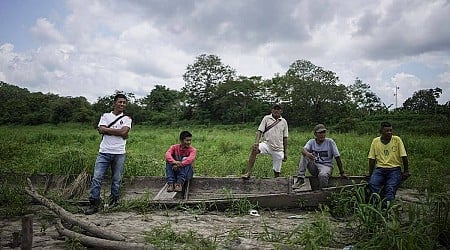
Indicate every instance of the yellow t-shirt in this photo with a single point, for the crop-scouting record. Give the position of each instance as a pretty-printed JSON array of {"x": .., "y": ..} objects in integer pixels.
[{"x": 387, "y": 155}]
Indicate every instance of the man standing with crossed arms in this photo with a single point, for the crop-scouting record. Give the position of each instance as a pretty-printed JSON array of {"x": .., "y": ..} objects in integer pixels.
[
  {"x": 114, "y": 127},
  {"x": 274, "y": 129}
]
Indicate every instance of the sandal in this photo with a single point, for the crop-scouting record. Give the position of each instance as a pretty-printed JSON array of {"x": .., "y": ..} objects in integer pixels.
[
  {"x": 170, "y": 187},
  {"x": 245, "y": 176},
  {"x": 178, "y": 187}
]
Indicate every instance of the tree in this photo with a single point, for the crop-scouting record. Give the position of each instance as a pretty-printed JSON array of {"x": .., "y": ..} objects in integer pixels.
[
  {"x": 162, "y": 105},
  {"x": 13, "y": 106},
  {"x": 201, "y": 81},
  {"x": 364, "y": 100},
  {"x": 62, "y": 112},
  {"x": 423, "y": 101},
  {"x": 105, "y": 104},
  {"x": 161, "y": 98},
  {"x": 239, "y": 100},
  {"x": 82, "y": 110},
  {"x": 312, "y": 93}
]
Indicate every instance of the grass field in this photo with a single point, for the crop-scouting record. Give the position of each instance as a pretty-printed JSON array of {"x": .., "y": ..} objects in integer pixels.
[{"x": 222, "y": 151}]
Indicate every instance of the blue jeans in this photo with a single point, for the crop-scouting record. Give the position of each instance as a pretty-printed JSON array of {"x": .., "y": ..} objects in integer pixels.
[
  {"x": 390, "y": 178},
  {"x": 180, "y": 175},
  {"x": 103, "y": 162}
]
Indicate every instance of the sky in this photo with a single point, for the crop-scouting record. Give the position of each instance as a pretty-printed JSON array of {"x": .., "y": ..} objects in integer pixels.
[{"x": 91, "y": 48}]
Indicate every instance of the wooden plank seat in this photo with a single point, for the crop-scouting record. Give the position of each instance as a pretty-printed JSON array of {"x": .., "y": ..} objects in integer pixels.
[{"x": 163, "y": 195}]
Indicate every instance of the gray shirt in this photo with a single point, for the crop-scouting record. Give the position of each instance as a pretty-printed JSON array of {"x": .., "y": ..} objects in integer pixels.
[{"x": 323, "y": 153}]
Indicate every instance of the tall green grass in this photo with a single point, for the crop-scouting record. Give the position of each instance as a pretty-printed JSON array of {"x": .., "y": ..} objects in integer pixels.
[
  {"x": 222, "y": 151},
  {"x": 421, "y": 225}
]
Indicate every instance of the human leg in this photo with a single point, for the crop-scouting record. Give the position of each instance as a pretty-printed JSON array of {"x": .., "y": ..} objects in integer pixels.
[
  {"x": 117, "y": 167},
  {"x": 170, "y": 174},
  {"x": 376, "y": 182},
  {"x": 183, "y": 174},
  {"x": 302, "y": 165},
  {"x": 277, "y": 161},
  {"x": 101, "y": 165},
  {"x": 251, "y": 160},
  {"x": 170, "y": 177},
  {"x": 393, "y": 179},
  {"x": 324, "y": 173}
]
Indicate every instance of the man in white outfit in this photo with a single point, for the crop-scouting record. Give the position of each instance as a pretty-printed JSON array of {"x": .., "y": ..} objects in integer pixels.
[{"x": 274, "y": 130}]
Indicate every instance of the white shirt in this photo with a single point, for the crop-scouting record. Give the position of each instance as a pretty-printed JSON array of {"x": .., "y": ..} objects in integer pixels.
[
  {"x": 274, "y": 136},
  {"x": 113, "y": 144}
]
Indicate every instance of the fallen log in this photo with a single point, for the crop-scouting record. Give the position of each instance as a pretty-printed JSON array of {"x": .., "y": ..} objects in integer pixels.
[
  {"x": 68, "y": 217},
  {"x": 97, "y": 242}
]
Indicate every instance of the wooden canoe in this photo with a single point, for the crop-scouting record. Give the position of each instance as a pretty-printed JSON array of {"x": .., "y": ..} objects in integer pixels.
[{"x": 220, "y": 192}]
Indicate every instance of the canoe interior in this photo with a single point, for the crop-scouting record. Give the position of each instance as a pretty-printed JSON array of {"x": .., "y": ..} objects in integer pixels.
[{"x": 206, "y": 188}]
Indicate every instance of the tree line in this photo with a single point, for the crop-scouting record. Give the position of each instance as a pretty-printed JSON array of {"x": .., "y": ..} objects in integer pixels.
[{"x": 214, "y": 94}]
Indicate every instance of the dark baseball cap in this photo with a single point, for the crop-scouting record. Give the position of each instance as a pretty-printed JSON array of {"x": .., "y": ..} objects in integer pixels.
[
  {"x": 319, "y": 128},
  {"x": 277, "y": 106}
]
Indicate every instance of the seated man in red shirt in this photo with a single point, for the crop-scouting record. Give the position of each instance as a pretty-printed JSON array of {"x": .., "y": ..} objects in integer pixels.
[{"x": 179, "y": 162}]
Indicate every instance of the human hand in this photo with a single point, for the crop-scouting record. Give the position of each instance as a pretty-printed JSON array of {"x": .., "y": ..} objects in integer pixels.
[
  {"x": 100, "y": 130},
  {"x": 405, "y": 175},
  {"x": 310, "y": 155}
]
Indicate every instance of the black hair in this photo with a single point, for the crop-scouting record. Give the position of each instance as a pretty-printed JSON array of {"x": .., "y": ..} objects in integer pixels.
[
  {"x": 386, "y": 125},
  {"x": 119, "y": 96},
  {"x": 185, "y": 134}
]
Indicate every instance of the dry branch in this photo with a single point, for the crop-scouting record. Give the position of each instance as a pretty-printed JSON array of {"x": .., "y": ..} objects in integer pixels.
[
  {"x": 96, "y": 242},
  {"x": 66, "y": 216},
  {"x": 78, "y": 187}
]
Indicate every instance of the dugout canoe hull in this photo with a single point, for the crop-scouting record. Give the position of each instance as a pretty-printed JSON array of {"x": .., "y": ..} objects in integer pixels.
[
  {"x": 264, "y": 192},
  {"x": 216, "y": 192}
]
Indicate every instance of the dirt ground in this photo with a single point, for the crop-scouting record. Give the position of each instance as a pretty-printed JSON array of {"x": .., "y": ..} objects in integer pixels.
[
  {"x": 233, "y": 232},
  {"x": 210, "y": 225}
]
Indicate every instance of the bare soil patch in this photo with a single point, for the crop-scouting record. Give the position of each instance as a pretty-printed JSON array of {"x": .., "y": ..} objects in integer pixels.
[
  {"x": 229, "y": 231},
  {"x": 218, "y": 226}
]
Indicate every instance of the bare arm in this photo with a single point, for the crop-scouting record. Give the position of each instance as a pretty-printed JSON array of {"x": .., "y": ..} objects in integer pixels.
[
  {"x": 258, "y": 136},
  {"x": 406, "y": 173},
  {"x": 122, "y": 132},
  {"x": 285, "y": 145},
  {"x": 339, "y": 164},
  {"x": 308, "y": 154},
  {"x": 371, "y": 166}
]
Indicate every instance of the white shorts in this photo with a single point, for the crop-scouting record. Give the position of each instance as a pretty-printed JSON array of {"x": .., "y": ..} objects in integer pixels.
[{"x": 277, "y": 156}]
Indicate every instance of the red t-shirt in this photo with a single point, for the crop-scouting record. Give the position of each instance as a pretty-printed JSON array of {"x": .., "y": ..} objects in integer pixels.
[{"x": 185, "y": 155}]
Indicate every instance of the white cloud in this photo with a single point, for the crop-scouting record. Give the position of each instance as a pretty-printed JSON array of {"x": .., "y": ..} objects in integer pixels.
[
  {"x": 406, "y": 84},
  {"x": 46, "y": 32},
  {"x": 102, "y": 46}
]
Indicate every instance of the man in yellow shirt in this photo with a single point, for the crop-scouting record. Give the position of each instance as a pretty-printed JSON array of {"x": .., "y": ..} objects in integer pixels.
[{"x": 386, "y": 156}]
